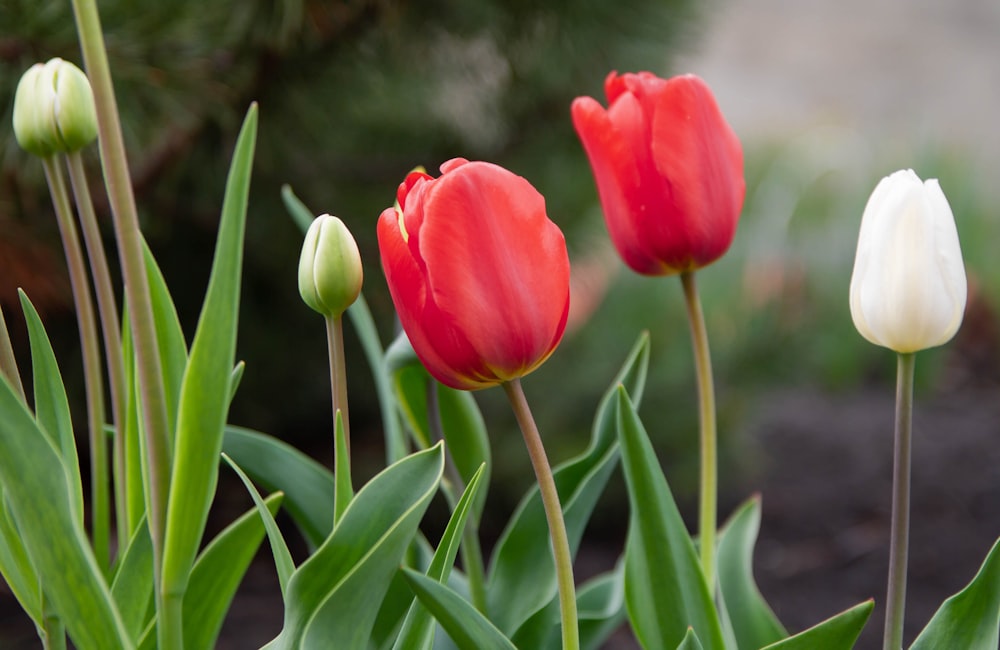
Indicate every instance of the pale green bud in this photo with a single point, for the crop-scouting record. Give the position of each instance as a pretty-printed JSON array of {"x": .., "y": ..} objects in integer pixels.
[
  {"x": 54, "y": 109},
  {"x": 908, "y": 289},
  {"x": 330, "y": 273}
]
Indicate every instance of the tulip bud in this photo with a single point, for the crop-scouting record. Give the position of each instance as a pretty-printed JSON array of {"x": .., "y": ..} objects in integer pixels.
[
  {"x": 330, "y": 272},
  {"x": 908, "y": 288},
  {"x": 54, "y": 109}
]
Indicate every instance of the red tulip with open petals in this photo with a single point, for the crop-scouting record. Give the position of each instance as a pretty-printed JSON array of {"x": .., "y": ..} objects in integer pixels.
[
  {"x": 668, "y": 167},
  {"x": 478, "y": 273}
]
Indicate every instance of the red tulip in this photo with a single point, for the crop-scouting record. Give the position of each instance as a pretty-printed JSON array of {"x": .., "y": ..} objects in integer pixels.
[
  {"x": 669, "y": 170},
  {"x": 477, "y": 272}
]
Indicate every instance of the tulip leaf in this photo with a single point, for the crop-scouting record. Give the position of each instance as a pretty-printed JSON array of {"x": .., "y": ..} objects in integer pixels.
[
  {"x": 466, "y": 626},
  {"x": 15, "y": 565},
  {"x": 754, "y": 624},
  {"x": 690, "y": 641},
  {"x": 837, "y": 633},
  {"x": 8, "y": 362},
  {"x": 47, "y": 521},
  {"x": 371, "y": 344},
  {"x": 334, "y": 596},
  {"x": 132, "y": 586},
  {"x": 275, "y": 465},
  {"x": 600, "y": 604},
  {"x": 665, "y": 591},
  {"x": 523, "y": 578},
  {"x": 201, "y": 414},
  {"x": 51, "y": 403},
  {"x": 418, "y": 626},
  {"x": 282, "y": 557},
  {"x": 971, "y": 618},
  {"x": 343, "y": 490}
]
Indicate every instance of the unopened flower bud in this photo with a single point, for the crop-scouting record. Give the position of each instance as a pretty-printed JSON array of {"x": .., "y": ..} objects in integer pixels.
[
  {"x": 908, "y": 289},
  {"x": 330, "y": 272},
  {"x": 54, "y": 109}
]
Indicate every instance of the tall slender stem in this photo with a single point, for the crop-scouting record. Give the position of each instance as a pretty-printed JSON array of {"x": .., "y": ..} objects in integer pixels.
[
  {"x": 93, "y": 377},
  {"x": 338, "y": 373},
  {"x": 553, "y": 513},
  {"x": 107, "y": 308},
  {"x": 129, "y": 238},
  {"x": 707, "y": 507},
  {"x": 900, "y": 536}
]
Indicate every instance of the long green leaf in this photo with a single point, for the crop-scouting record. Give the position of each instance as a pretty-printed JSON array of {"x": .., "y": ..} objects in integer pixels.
[
  {"x": 971, "y": 618},
  {"x": 522, "y": 578},
  {"x": 51, "y": 404},
  {"x": 753, "y": 622},
  {"x": 418, "y": 626},
  {"x": 53, "y": 535},
  {"x": 364, "y": 325},
  {"x": 8, "y": 363},
  {"x": 837, "y": 633},
  {"x": 334, "y": 596},
  {"x": 344, "y": 488},
  {"x": 468, "y": 628},
  {"x": 204, "y": 400},
  {"x": 275, "y": 465},
  {"x": 282, "y": 557},
  {"x": 132, "y": 586},
  {"x": 690, "y": 641},
  {"x": 665, "y": 591},
  {"x": 15, "y": 565}
]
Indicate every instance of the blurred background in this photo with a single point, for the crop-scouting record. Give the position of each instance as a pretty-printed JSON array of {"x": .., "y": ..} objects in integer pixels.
[{"x": 827, "y": 97}]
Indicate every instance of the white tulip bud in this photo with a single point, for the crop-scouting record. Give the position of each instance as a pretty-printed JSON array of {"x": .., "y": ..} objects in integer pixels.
[
  {"x": 330, "y": 272},
  {"x": 54, "y": 109},
  {"x": 908, "y": 289}
]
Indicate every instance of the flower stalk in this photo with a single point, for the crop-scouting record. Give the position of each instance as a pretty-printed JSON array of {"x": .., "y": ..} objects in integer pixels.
[
  {"x": 93, "y": 377},
  {"x": 338, "y": 373},
  {"x": 553, "y": 513},
  {"x": 708, "y": 493},
  {"x": 900, "y": 536}
]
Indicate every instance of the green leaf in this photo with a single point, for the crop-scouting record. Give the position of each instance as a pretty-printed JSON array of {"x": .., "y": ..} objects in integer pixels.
[
  {"x": 8, "y": 363},
  {"x": 218, "y": 573},
  {"x": 53, "y": 536},
  {"x": 466, "y": 626},
  {"x": 235, "y": 378},
  {"x": 690, "y": 641},
  {"x": 837, "y": 633},
  {"x": 600, "y": 603},
  {"x": 753, "y": 622},
  {"x": 51, "y": 404},
  {"x": 418, "y": 626},
  {"x": 461, "y": 421},
  {"x": 971, "y": 618},
  {"x": 15, "y": 565},
  {"x": 334, "y": 596},
  {"x": 522, "y": 579},
  {"x": 665, "y": 591},
  {"x": 132, "y": 586},
  {"x": 282, "y": 557},
  {"x": 364, "y": 325},
  {"x": 204, "y": 400},
  {"x": 343, "y": 488},
  {"x": 308, "y": 486}
]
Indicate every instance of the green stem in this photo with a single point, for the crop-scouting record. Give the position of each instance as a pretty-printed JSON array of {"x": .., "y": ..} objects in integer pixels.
[
  {"x": 93, "y": 379},
  {"x": 338, "y": 373},
  {"x": 706, "y": 415},
  {"x": 107, "y": 308},
  {"x": 900, "y": 535},
  {"x": 169, "y": 627},
  {"x": 53, "y": 631},
  {"x": 130, "y": 250},
  {"x": 471, "y": 550},
  {"x": 553, "y": 513}
]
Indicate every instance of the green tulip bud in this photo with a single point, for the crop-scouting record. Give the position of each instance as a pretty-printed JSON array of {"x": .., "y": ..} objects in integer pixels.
[
  {"x": 54, "y": 109},
  {"x": 330, "y": 273}
]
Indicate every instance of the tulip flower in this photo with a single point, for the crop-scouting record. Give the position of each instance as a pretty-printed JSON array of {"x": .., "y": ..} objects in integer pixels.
[
  {"x": 908, "y": 288},
  {"x": 478, "y": 273},
  {"x": 668, "y": 167},
  {"x": 330, "y": 271},
  {"x": 54, "y": 109}
]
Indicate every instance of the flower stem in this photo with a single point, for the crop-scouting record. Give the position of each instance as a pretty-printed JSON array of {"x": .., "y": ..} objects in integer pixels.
[
  {"x": 899, "y": 539},
  {"x": 706, "y": 415},
  {"x": 153, "y": 405},
  {"x": 338, "y": 373},
  {"x": 93, "y": 379},
  {"x": 107, "y": 308},
  {"x": 553, "y": 513}
]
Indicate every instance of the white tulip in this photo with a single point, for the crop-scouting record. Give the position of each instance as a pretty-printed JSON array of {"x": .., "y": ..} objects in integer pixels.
[{"x": 908, "y": 289}]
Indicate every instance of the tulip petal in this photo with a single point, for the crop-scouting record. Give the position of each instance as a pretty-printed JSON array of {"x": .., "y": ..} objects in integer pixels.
[{"x": 497, "y": 267}]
